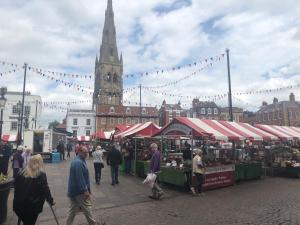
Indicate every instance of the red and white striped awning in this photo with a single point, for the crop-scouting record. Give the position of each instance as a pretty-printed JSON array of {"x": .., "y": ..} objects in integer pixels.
[
  {"x": 249, "y": 132},
  {"x": 83, "y": 138},
  {"x": 9, "y": 137},
  {"x": 141, "y": 129},
  {"x": 212, "y": 128},
  {"x": 284, "y": 133}
]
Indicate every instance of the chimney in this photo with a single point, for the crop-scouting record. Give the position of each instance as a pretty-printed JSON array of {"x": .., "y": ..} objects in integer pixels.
[
  {"x": 292, "y": 97},
  {"x": 195, "y": 102},
  {"x": 264, "y": 103},
  {"x": 275, "y": 100}
]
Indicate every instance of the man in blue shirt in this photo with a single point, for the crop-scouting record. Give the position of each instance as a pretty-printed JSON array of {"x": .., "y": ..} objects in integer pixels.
[
  {"x": 157, "y": 192},
  {"x": 79, "y": 190}
]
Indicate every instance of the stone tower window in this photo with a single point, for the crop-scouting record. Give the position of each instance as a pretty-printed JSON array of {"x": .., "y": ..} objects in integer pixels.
[
  {"x": 111, "y": 110},
  {"x": 128, "y": 110},
  {"x": 111, "y": 51},
  {"x": 108, "y": 77},
  {"x": 115, "y": 78}
]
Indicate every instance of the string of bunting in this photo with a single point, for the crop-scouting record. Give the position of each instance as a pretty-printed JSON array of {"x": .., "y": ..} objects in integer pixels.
[
  {"x": 9, "y": 72},
  {"x": 61, "y": 74},
  {"x": 205, "y": 61},
  {"x": 268, "y": 91},
  {"x": 65, "y": 102},
  {"x": 181, "y": 79},
  {"x": 4, "y": 63},
  {"x": 188, "y": 96}
]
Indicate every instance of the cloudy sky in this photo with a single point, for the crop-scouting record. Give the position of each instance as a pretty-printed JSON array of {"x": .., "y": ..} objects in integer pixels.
[{"x": 64, "y": 36}]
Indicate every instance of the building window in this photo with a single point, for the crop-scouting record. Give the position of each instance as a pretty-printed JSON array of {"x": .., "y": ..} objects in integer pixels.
[
  {"x": 128, "y": 110},
  {"x": 75, "y": 122},
  {"x": 74, "y": 133},
  {"x": 209, "y": 112},
  {"x": 112, "y": 121},
  {"x": 203, "y": 111},
  {"x": 112, "y": 110},
  {"x": 15, "y": 109},
  {"x": 144, "y": 120},
  {"x": 88, "y": 122},
  {"x": 215, "y": 111},
  {"x": 103, "y": 120},
  {"x": 27, "y": 110},
  {"x": 144, "y": 111},
  {"x": 128, "y": 120},
  {"x": 13, "y": 126},
  {"x": 120, "y": 121},
  {"x": 269, "y": 116},
  {"x": 279, "y": 115},
  {"x": 87, "y": 133}
]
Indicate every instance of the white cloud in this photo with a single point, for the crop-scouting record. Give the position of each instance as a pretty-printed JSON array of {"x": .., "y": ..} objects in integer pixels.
[{"x": 263, "y": 37}]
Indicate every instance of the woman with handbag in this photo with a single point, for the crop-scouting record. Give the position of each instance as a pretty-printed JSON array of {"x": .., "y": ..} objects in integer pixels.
[
  {"x": 98, "y": 163},
  {"x": 31, "y": 191}
]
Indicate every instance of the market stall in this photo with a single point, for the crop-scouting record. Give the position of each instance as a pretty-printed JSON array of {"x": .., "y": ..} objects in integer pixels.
[
  {"x": 284, "y": 158},
  {"x": 207, "y": 134},
  {"x": 138, "y": 135},
  {"x": 250, "y": 168}
]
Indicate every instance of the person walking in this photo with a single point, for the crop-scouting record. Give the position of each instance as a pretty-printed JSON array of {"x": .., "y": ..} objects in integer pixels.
[
  {"x": 157, "y": 192},
  {"x": 98, "y": 163},
  {"x": 17, "y": 161},
  {"x": 69, "y": 149},
  {"x": 198, "y": 171},
  {"x": 79, "y": 191},
  {"x": 128, "y": 152},
  {"x": 5, "y": 153},
  {"x": 31, "y": 191},
  {"x": 61, "y": 149},
  {"x": 114, "y": 159},
  {"x": 26, "y": 156}
]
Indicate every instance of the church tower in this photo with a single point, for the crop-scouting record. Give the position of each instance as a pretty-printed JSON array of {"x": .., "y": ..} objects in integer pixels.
[{"x": 108, "y": 87}]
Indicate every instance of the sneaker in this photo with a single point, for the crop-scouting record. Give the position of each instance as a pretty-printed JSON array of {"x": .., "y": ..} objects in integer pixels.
[
  {"x": 160, "y": 194},
  {"x": 193, "y": 190},
  {"x": 117, "y": 182},
  {"x": 153, "y": 197}
]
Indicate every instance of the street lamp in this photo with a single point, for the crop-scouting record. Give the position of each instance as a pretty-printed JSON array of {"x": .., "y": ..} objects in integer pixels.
[
  {"x": 19, "y": 108},
  {"x": 3, "y": 91}
]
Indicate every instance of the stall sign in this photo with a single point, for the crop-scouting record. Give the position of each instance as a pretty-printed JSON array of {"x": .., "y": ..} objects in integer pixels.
[
  {"x": 177, "y": 127},
  {"x": 220, "y": 176}
]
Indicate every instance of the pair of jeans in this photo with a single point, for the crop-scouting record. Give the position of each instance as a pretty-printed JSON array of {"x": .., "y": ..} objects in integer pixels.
[
  {"x": 156, "y": 189},
  {"x": 127, "y": 166},
  {"x": 98, "y": 169},
  {"x": 114, "y": 174},
  {"x": 199, "y": 182},
  {"x": 16, "y": 172}
]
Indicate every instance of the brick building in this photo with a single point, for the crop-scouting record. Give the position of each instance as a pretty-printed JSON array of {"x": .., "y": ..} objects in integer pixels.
[
  {"x": 204, "y": 110},
  {"x": 284, "y": 113},
  {"x": 169, "y": 111},
  {"x": 236, "y": 112},
  {"x": 108, "y": 87}
]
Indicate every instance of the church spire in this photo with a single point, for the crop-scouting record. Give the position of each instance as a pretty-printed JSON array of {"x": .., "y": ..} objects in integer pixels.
[{"x": 109, "y": 50}]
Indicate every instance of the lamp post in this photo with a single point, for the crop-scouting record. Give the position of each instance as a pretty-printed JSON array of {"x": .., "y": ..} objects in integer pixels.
[
  {"x": 19, "y": 108},
  {"x": 3, "y": 91}
]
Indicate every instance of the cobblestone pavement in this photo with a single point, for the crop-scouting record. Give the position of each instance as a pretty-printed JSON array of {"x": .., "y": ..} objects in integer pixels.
[{"x": 269, "y": 201}]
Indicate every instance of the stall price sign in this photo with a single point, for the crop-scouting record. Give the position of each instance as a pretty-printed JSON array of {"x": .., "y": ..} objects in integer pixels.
[{"x": 220, "y": 176}]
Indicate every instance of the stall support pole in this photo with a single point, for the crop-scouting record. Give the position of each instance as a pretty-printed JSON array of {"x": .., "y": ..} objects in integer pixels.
[{"x": 135, "y": 156}]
